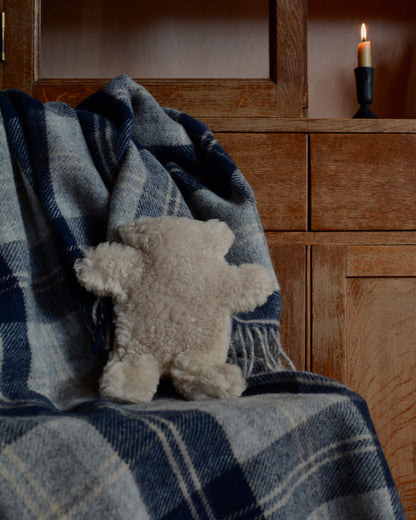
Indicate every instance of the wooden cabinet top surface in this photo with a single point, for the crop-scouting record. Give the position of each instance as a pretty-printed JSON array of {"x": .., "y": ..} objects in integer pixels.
[{"x": 303, "y": 125}]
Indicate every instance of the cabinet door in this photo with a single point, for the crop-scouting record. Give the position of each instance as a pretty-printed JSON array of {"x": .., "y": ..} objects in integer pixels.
[
  {"x": 282, "y": 92},
  {"x": 364, "y": 334}
]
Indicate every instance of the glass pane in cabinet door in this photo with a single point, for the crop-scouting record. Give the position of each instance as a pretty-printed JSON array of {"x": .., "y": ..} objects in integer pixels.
[{"x": 164, "y": 39}]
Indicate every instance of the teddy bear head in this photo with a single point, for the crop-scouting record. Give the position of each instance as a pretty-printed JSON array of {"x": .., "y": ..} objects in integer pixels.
[{"x": 150, "y": 234}]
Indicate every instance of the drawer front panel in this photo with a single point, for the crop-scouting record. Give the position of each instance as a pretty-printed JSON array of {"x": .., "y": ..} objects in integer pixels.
[
  {"x": 276, "y": 166},
  {"x": 363, "y": 181}
]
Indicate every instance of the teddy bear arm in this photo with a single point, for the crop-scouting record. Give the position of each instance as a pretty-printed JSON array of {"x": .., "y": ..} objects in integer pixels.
[
  {"x": 106, "y": 269},
  {"x": 249, "y": 287}
]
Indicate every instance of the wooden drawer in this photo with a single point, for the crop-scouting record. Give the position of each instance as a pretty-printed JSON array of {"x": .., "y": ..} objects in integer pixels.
[
  {"x": 363, "y": 181},
  {"x": 276, "y": 166}
]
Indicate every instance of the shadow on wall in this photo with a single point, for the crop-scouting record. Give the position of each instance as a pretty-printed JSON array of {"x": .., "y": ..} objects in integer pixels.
[{"x": 394, "y": 86}]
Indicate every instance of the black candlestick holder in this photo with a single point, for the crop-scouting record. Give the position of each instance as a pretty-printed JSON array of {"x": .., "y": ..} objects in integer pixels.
[{"x": 364, "y": 84}]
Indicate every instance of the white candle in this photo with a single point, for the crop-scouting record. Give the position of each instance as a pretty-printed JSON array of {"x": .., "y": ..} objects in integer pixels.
[{"x": 364, "y": 49}]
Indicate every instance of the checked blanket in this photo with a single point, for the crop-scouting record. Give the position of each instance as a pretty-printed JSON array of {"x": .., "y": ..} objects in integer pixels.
[{"x": 295, "y": 446}]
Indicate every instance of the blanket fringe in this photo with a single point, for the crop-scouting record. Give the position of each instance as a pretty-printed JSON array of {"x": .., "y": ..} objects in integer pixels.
[{"x": 257, "y": 349}]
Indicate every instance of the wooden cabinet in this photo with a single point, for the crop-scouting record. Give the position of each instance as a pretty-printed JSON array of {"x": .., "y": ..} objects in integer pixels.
[{"x": 347, "y": 268}]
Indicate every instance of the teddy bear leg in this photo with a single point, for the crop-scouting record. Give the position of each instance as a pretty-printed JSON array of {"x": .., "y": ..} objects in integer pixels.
[
  {"x": 130, "y": 380},
  {"x": 198, "y": 381}
]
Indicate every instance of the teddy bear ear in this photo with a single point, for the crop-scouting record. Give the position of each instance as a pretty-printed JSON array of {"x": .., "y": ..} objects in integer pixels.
[
  {"x": 132, "y": 233},
  {"x": 129, "y": 233},
  {"x": 219, "y": 235},
  {"x": 142, "y": 233}
]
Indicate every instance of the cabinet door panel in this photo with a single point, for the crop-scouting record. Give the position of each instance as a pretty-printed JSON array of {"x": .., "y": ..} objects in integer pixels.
[
  {"x": 381, "y": 366},
  {"x": 365, "y": 319}
]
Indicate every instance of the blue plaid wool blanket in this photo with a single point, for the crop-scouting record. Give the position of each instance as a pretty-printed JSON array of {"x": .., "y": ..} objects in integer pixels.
[{"x": 295, "y": 446}]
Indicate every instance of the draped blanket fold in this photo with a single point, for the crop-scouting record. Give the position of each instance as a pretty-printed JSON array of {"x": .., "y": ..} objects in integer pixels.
[{"x": 296, "y": 446}]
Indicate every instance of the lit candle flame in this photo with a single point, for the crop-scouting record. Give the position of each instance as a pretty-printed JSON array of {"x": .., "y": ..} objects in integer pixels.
[{"x": 363, "y": 32}]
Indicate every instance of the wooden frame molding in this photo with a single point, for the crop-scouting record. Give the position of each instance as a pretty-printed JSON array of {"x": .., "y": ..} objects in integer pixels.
[
  {"x": 328, "y": 297},
  {"x": 284, "y": 94}
]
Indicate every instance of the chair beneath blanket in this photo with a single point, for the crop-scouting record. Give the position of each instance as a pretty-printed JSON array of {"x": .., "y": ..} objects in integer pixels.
[{"x": 295, "y": 446}]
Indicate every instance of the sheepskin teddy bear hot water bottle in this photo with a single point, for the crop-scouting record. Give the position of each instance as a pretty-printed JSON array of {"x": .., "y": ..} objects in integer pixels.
[{"x": 174, "y": 295}]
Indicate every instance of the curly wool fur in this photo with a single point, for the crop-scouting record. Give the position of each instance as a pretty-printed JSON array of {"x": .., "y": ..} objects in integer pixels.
[{"x": 174, "y": 295}]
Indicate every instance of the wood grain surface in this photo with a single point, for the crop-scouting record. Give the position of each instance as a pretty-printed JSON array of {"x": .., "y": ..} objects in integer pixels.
[
  {"x": 363, "y": 182},
  {"x": 292, "y": 270},
  {"x": 364, "y": 334},
  {"x": 381, "y": 261},
  {"x": 328, "y": 312},
  {"x": 381, "y": 366},
  {"x": 311, "y": 126},
  {"x": 276, "y": 166}
]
